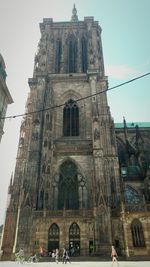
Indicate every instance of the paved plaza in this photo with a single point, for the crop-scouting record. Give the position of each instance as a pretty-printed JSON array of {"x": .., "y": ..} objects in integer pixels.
[{"x": 76, "y": 264}]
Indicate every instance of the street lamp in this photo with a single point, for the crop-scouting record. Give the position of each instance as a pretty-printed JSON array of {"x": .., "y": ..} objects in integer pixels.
[{"x": 123, "y": 171}]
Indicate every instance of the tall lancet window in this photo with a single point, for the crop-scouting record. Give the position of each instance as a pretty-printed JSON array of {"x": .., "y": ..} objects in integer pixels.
[
  {"x": 71, "y": 119},
  {"x": 84, "y": 54},
  {"x": 137, "y": 233},
  {"x": 58, "y": 56},
  {"x": 68, "y": 197},
  {"x": 72, "y": 55}
]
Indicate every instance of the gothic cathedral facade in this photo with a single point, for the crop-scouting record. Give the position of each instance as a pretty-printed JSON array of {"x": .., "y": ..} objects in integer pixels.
[{"x": 72, "y": 168}]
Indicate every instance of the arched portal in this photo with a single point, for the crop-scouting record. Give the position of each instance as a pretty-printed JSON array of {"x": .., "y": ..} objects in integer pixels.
[
  {"x": 53, "y": 237},
  {"x": 74, "y": 239}
]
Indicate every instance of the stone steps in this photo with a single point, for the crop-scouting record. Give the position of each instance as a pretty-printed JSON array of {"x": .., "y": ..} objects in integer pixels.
[
  {"x": 98, "y": 258},
  {"x": 78, "y": 259}
]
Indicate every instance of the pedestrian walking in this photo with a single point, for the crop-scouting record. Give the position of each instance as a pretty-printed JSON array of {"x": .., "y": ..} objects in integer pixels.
[
  {"x": 57, "y": 255},
  {"x": 64, "y": 256},
  {"x": 67, "y": 257},
  {"x": 53, "y": 255},
  {"x": 41, "y": 251},
  {"x": 114, "y": 255}
]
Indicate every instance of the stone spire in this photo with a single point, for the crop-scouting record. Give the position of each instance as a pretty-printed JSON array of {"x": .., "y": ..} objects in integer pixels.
[{"x": 74, "y": 16}]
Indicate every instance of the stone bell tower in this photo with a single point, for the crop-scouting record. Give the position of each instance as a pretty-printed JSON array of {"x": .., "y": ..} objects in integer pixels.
[{"x": 66, "y": 178}]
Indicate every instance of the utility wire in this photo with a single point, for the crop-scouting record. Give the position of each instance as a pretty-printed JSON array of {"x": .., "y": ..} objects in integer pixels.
[{"x": 82, "y": 98}]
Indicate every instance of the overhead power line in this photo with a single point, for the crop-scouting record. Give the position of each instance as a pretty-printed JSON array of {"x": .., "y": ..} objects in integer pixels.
[{"x": 82, "y": 98}]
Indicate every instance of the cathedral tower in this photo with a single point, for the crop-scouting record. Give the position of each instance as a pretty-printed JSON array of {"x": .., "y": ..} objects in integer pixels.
[{"x": 66, "y": 179}]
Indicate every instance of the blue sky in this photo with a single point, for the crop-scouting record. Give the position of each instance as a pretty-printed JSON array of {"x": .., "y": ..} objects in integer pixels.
[{"x": 126, "y": 50}]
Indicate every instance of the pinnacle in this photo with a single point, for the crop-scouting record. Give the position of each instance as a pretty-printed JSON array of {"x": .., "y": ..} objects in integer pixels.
[{"x": 74, "y": 16}]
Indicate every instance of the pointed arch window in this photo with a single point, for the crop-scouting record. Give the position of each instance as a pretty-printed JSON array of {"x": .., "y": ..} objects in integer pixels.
[
  {"x": 68, "y": 197},
  {"x": 54, "y": 231},
  {"x": 72, "y": 55},
  {"x": 132, "y": 196},
  {"x": 74, "y": 230},
  {"x": 84, "y": 54},
  {"x": 137, "y": 234},
  {"x": 58, "y": 56},
  {"x": 71, "y": 119}
]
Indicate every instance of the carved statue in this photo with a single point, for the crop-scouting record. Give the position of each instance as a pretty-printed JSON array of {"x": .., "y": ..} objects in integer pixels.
[{"x": 96, "y": 134}]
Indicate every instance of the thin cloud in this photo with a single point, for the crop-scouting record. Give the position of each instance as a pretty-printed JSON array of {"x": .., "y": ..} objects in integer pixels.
[{"x": 121, "y": 71}]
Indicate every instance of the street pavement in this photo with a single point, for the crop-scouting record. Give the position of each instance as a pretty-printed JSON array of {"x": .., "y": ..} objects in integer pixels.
[{"x": 76, "y": 264}]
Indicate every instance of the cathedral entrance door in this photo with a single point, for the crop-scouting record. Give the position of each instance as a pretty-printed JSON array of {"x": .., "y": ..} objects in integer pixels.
[
  {"x": 52, "y": 245},
  {"x": 53, "y": 238},
  {"x": 74, "y": 240}
]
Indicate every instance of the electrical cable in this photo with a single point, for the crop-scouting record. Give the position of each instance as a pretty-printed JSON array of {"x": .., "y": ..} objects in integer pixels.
[{"x": 82, "y": 98}]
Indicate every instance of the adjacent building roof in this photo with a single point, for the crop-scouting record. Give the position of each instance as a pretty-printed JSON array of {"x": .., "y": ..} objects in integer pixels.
[{"x": 132, "y": 124}]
